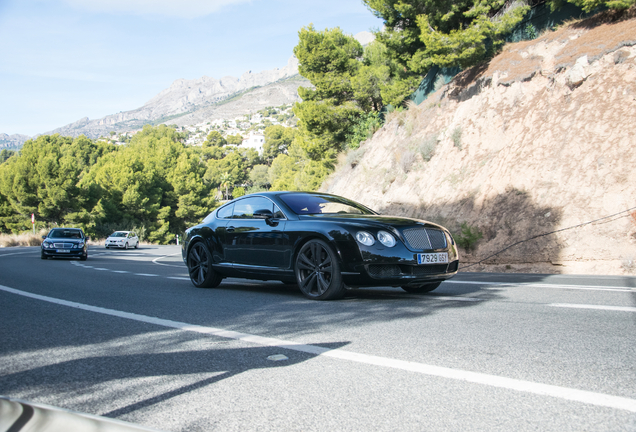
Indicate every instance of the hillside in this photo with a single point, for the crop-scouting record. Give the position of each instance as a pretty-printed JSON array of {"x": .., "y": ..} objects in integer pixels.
[
  {"x": 188, "y": 102},
  {"x": 536, "y": 141}
]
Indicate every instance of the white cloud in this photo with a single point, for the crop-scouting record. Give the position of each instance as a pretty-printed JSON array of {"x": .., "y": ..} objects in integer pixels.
[{"x": 169, "y": 8}]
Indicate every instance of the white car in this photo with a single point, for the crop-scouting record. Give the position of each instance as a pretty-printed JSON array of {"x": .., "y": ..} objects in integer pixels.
[{"x": 122, "y": 239}]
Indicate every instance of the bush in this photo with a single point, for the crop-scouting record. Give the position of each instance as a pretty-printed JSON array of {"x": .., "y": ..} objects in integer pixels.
[
  {"x": 427, "y": 148},
  {"x": 238, "y": 192},
  {"x": 468, "y": 237}
]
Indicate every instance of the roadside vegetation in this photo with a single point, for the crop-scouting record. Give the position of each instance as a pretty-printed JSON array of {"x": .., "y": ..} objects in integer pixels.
[{"x": 157, "y": 185}]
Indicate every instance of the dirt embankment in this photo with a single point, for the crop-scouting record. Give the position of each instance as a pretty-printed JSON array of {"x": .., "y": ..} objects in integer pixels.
[{"x": 540, "y": 140}]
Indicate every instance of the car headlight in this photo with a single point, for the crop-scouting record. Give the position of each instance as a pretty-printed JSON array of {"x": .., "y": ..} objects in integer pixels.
[
  {"x": 46, "y": 245},
  {"x": 365, "y": 238},
  {"x": 386, "y": 238},
  {"x": 79, "y": 245}
]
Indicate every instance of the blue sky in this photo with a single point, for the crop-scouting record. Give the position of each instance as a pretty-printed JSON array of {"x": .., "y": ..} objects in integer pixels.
[{"x": 61, "y": 60}]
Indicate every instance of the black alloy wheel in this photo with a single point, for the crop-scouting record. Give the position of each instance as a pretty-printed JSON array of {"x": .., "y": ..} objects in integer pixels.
[
  {"x": 200, "y": 268},
  {"x": 421, "y": 288},
  {"x": 318, "y": 272}
]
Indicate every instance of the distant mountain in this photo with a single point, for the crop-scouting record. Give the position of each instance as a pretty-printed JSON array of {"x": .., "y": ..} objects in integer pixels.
[
  {"x": 188, "y": 102},
  {"x": 197, "y": 101},
  {"x": 12, "y": 142}
]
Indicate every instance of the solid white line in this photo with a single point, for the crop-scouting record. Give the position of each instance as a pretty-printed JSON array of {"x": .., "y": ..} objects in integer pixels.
[
  {"x": 178, "y": 278},
  {"x": 167, "y": 265},
  {"x": 587, "y": 397},
  {"x": 597, "y": 307},
  {"x": 15, "y": 253},
  {"x": 551, "y": 286},
  {"x": 144, "y": 274}
]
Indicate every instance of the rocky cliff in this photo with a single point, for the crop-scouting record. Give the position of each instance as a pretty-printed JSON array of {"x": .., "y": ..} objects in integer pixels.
[
  {"x": 188, "y": 102},
  {"x": 534, "y": 150}
]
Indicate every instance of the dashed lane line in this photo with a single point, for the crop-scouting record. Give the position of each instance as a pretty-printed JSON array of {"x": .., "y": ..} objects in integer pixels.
[
  {"x": 571, "y": 394},
  {"x": 595, "y": 307}
]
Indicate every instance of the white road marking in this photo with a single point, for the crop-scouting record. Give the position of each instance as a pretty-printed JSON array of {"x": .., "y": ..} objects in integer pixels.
[
  {"x": 178, "y": 278},
  {"x": 15, "y": 253},
  {"x": 145, "y": 274},
  {"x": 465, "y": 299},
  {"x": 596, "y": 307},
  {"x": 120, "y": 271},
  {"x": 539, "y": 285},
  {"x": 583, "y": 396},
  {"x": 167, "y": 265}
]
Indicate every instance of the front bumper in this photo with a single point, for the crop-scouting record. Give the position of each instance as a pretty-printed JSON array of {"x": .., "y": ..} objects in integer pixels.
[{"x": 72, "y": 253}]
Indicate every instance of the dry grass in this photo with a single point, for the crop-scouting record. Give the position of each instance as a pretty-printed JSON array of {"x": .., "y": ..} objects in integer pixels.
[{"x": 24, "y": 239}]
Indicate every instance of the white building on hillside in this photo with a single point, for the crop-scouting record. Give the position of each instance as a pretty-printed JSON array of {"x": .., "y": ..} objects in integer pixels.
[{"x": 254, "y": 140}]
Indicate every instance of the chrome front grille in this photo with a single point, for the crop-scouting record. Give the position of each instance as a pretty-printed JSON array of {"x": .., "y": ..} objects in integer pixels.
[
  {"x": 423, "y": 238},
  {"x": 63, "y": 245}
]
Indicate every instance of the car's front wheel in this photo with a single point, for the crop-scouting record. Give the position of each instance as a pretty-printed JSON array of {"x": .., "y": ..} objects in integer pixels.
[
  {"x": 200, "y": 268},
  {"x": 418, "y": 289},
  {"x": 126, "y": 245},
  {"x": 43, "y": 256},
  {"x": 318, "y": 272}
]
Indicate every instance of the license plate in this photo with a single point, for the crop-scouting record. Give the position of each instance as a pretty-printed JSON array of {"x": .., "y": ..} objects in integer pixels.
[
  {"x": 432, "y": 258},
  {"x": 63, "y": 251}
]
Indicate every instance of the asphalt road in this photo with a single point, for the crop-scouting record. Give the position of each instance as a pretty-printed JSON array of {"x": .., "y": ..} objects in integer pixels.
[{"x": 126, "y": 335}]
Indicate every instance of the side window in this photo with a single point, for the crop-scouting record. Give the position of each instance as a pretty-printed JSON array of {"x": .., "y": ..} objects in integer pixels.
[
  {"x": 278, "y": 214},
  {"x": 245, "y": 208},
  {"x": 225, "y": 212}
]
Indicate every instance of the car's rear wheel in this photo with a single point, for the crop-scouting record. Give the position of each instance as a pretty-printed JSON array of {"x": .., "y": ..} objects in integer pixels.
[
  {"x": 413, "y": 289},
  {"x": 200, "y": 268},
  {"x": 318, "y": 272}
]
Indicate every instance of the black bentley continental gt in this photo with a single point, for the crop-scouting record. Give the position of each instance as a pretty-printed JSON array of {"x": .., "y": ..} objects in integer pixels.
[{"x": 324, "y": 243}]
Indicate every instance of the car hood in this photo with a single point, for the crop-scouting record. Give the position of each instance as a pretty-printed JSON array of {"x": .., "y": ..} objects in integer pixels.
[
  {"x": 373, "y": 220},
  {"x": 116, "y": 238}
]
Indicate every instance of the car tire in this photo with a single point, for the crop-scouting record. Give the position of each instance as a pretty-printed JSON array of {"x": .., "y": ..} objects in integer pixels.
[
  {"x": 83, "y": 258},
  {"x": 200, "y": 269},
  {"x": 43, "y": 256},
  {"x": 106, "y": 247},
  {"x": 318, "y": 272},
  {"x": 421, "y": 288},
  {"x": 126, "y": 245},
  {"x": 136, "y": 245}
]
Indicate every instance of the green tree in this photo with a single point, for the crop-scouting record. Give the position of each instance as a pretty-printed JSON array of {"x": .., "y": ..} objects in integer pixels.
[
  {"x": 421, "y": 33},
  {"x": 6, "y": 154},
  {"x": 277, "y": 139},
  {"x": 234, "y": 139},
  {"x": 258, "y": 177},
  {"x": 589, "y": 5}
]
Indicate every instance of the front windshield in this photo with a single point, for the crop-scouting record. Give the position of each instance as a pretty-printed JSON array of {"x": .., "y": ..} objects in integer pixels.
[
  {"x": 301, "y": 203},
  {"x": 64, "y": 233},
  {"x": 118, "y": 234}
]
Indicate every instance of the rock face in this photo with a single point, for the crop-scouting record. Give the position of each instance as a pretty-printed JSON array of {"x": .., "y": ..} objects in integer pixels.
[
  {"x": 12, "y": 141},
  {"x": 187, "y": 100},
  {"x": 539, "y": 141}
]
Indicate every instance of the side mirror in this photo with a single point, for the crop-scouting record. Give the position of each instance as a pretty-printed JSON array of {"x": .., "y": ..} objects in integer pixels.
[
  {"x": 87, "y": 238},
  {"x": 263, "y": 214},
  {"x": 43, "y": 237}
]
